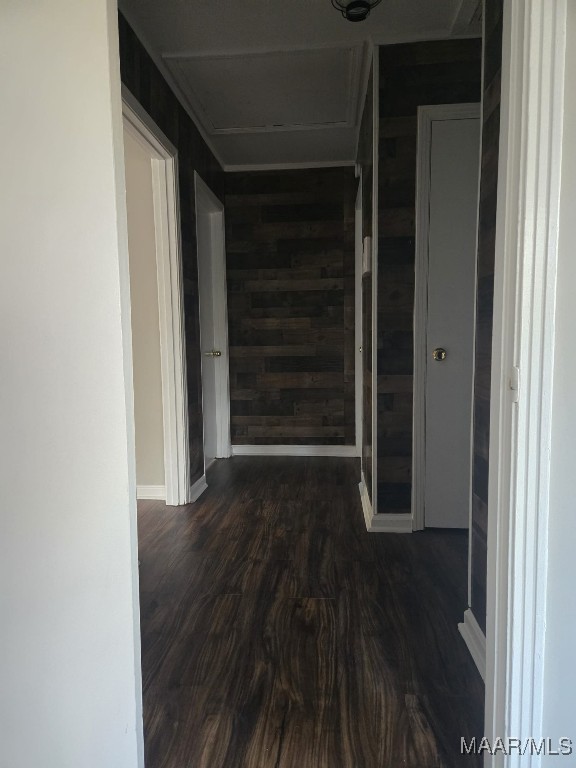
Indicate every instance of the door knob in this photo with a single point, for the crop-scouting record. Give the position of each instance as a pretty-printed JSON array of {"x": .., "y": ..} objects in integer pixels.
[
  {"x": 213, "y": 353},
  {"x": 439, "y": 354}
]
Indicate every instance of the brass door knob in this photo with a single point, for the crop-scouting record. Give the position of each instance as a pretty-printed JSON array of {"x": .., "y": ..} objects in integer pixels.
[
  {"x": 439, "y": 354},
  {"x": 213, "y": 353}
]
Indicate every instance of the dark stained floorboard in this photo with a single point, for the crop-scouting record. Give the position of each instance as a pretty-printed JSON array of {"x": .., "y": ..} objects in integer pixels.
[{"x": 277, "y": 633}]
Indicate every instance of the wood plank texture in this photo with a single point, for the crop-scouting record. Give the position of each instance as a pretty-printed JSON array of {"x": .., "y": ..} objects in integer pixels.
[
  {"x": 290, "y": 272},
  {"x": 276, "y": 632},
  {"x": 484, "y": 301},
  {"x": 365, "y": 160},
  {"x": 412, "y": 74},
  {"x": 144, "y": 81}
]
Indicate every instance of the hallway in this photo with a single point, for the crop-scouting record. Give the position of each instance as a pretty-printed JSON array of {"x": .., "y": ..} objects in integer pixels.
[{"x": 277, "y": 633}]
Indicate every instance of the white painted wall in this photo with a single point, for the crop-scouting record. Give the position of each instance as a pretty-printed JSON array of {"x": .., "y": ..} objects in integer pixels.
[
  {"x": 69, "y": 643},
  {"x": 560, "y": 653},
  {"x": 144, "y": 313}
]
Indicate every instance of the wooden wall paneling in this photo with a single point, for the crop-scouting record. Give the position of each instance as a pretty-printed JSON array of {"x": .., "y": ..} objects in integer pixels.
[
  {"x": 365, "y": 160},
  {"x": 493, "y": 10},
  {"x": 143, "y": 79},
  {"x": 290, "y": 272},
  {"x": 411, "y": 75}
]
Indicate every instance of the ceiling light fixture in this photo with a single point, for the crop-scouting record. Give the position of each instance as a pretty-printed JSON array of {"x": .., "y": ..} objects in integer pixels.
[{"x": 355, "y": 10}]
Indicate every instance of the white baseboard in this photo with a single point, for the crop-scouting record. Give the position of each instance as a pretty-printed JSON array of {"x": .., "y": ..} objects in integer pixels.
[
  {"x": 295, "y": 450},
  {"x": 197, "y": 489},
  {"x": 156, "y": 492},
  {"x": 391, "y": 523},
  {"x": 475, "y": 640},
  {"x": 382, "y": 523},
  {"x": 366, "y": 503}
]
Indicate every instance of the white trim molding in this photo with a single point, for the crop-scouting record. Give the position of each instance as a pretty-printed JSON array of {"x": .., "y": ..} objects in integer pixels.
[
  {"x": 288, "y": 166},
  {"x": 156, "y": 492},
  {"x": 426, "y": 116},
  {"x": 345, "y": 451},
  {"x": 421, "y": 37},
  {"x": 389, "y": 523},
  {"x": 197, "y": 489},
  {"x": 475, "y": 640},
  {"x": 164, "y": 166},
  {"x": 365, "y": 501},
  {"x": 384, "y": 523},
  {"x": 532, "y": 107}
]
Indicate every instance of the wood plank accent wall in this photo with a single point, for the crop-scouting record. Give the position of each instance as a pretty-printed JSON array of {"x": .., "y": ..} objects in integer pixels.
[
  {"x": 411, "y": 75},
  {"x": 143, "y": 79},
  {"x": 365, "y": 160},
  {"x": 290, "y": 272},
  {"x": 493, "y": 10}
]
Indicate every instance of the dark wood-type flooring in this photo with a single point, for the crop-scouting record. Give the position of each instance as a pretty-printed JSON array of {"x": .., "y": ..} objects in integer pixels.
[{"x": 277, "y": 633}]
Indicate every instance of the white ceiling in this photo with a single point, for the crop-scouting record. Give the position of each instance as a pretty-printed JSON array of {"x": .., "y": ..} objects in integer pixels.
[
  {"x": 303, "y": 89},
  {"x": 278, "y": 82}
]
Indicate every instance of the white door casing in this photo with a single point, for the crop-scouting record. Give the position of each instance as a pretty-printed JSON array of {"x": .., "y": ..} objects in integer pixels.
[
  {"x": 529, "y": 184},
  {"x": 447, "y": 205},
  {"x": 170, "y": 297},
  {"x": 213, "y": 323}
]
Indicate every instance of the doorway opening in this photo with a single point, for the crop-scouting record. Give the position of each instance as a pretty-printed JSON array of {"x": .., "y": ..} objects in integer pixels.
[
  {"x": 213, "y": 323},
  {"x": 449, "y": 141},
  {"x": 160, "y": 410}
]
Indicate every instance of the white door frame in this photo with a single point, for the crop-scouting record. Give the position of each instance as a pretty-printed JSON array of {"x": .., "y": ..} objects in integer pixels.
[
  {"x": 204, "y": 195},
  {"x": 170, "y": 298},
  {"x": 426, "y": 116},
  {"x": 522, "y": 367},
  {"x": 358, "y": 367}
]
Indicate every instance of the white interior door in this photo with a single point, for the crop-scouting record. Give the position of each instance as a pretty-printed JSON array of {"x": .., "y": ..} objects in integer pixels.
[
  {"x": 453, "y": 205},
  {"x": 213, "y": 323}
]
